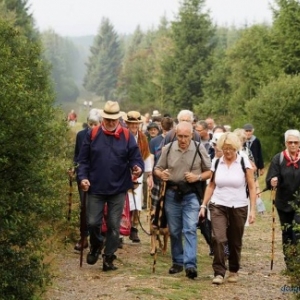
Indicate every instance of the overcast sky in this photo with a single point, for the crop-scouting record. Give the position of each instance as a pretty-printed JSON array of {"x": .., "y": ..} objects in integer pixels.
[{"x": 83, "y": 17}]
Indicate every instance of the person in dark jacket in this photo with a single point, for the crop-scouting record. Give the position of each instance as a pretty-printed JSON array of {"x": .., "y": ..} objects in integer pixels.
[
  {"x": 93, "y": 119},
  {"x": 254, "y": 145},
  {"x": 106, "y": 166},
  {"x": 284, "y": 175}
]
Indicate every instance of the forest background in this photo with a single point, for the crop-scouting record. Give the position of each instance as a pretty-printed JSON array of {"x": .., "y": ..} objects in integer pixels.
[{"x": 234, "y": 75}]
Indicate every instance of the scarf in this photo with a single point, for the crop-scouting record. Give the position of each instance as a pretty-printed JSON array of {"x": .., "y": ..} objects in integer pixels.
[
  {"x": 116, "y": 133},
  {"x": 290, "y": 161}
]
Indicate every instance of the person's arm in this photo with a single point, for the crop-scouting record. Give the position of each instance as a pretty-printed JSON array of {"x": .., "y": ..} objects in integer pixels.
[
  {"x": 273, "y": 174},
  {"x": 252, "y": 194},
  {"x": 207, "y": 196}
]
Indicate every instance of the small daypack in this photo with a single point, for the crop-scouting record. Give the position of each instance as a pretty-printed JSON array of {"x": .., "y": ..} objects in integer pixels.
[{"x": 243, "y": 167}]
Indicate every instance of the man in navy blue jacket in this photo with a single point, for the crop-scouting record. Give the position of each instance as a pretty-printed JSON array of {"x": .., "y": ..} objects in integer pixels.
[{"x": 106, "y": 166}]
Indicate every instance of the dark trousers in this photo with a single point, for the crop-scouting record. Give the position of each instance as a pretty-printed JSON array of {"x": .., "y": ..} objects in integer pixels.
[
  {"x": 95, "y": 206},
  {"x": 227, "y": 227}
]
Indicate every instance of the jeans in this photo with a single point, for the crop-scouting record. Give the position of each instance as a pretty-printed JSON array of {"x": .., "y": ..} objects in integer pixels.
[
  {"x": 95, "y": 206},
  {"x": 182, "y": 218}
]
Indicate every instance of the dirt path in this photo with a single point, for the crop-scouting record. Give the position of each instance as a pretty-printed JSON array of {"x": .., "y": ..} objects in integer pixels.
[{"x": 134, "y": 278}]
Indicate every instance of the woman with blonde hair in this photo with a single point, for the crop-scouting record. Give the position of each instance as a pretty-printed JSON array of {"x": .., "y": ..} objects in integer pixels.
[{"x": 228, "y": 205}]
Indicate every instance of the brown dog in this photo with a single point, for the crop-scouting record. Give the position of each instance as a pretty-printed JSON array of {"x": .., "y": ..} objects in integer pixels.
[{"x": 156, "y": 239}]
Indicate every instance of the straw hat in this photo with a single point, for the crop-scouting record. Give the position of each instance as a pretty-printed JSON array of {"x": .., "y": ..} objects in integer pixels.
[
  {"x": 111, "y": 110},
  {"x": 133, "y": 117},
  {"x": 156, "y": 114}
]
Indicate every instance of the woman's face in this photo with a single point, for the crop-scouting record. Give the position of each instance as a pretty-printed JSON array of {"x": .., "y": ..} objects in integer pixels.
[
  {"x": 229, "y": 152},
  {"x": 133, "y": 127},
  {"x": 292, "y": 144}
]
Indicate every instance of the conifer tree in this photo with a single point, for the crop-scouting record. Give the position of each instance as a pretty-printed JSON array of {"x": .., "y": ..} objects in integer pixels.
[{"x": 104, "y": 62}]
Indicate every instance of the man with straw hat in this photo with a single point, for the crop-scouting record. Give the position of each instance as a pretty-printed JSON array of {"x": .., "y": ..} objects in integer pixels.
[
  {"x": 133, "y": 120},
  {"x": 107, "y": 162}
]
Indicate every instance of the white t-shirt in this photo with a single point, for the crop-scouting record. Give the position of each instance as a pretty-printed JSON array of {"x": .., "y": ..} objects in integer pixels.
[{"x": 230, "y": 183}]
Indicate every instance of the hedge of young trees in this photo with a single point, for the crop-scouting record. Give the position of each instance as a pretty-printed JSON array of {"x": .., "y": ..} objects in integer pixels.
[{"x": 33, "y": 155}]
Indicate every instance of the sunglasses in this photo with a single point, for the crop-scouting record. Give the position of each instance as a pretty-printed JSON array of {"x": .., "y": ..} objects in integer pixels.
[{"x": 293, "y": 142}]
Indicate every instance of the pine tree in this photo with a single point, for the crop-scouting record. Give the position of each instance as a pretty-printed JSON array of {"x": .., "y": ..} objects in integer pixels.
[
  {"x": 189, "y": 63},
  {"x": 104, "y": 63}
]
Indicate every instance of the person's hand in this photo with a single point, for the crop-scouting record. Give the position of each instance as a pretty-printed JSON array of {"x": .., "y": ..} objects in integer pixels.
[
  {"x": 274, "y": 182},
  {"x": 202, "y": 213},
  {"x": 165, "y": 175},
  {"x": 85, "y": 184},
  {"x": 150, "y": 182},
  {"x": 251, "y": 218},
  {"x": 136, "y": 171},
  {"x": 261, "y": 172},
  {"x": 190, "y": 177}
]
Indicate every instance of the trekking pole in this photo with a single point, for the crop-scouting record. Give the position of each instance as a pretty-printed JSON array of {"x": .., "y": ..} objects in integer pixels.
[
  {"x": 149, "y": 204},
  {"x": 273, "y": 193},
  {"x": 82, "y": 226}
]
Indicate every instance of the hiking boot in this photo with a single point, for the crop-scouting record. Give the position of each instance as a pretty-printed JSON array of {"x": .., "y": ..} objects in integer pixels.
[
  {"x": 93, "y": 255},
  {"x": 121, "y": 242},
  {"x": 218, "y": 279},
  {"x": 77, "y": 247},
  {"x": 134, "y": 235},
  {"x": 191, "y": 273},
  {"x": 233, "y": 277},
  {"x": 108, "y": 263},
  {"x": 175, "y": 269}
]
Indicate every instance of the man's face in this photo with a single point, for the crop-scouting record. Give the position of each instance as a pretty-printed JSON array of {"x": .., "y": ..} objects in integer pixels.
[
  {"x": 249, "y": 133},
  {"x": 184, "y": 137},
  {"x": 110, "y": 124},
  {"x": 201, "y": 131},
  {"x": 153, "y": 132},
  {"x": 210, "y": 124}
]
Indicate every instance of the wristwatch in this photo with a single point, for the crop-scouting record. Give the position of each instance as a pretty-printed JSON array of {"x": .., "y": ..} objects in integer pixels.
[{"x": 200, "y": 178}]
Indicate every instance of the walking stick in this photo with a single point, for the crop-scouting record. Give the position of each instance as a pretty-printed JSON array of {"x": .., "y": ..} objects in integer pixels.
[
  {"x": 273, "y": 193},
  {"x": 82, "y": 226}
]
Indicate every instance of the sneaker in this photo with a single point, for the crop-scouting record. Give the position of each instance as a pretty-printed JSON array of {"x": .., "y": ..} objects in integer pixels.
[
  {"x": 233, "y": 277},
  {"x": 218, "y": 279},
  {"x": 134, "y": 235}
]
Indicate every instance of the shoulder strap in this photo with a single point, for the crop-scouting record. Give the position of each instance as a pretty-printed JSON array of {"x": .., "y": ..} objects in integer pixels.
[
  {"x": 243, "y": 164},
  {"x": 126, "y": 133},
  {"x": 216, "y": 166},
  {"x": 94, "y": 132},
  {"x": 281, "y": 157}
]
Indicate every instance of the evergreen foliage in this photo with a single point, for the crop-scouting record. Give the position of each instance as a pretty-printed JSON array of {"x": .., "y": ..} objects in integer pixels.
[
  {"x": 189, "y": 63},
  {"x": 32, "y": 162},
  {"x": 104, "y": 63},
  {"x": 65, "y": 62}
]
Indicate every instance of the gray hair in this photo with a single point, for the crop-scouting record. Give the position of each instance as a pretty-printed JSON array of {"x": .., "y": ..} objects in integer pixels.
[
  {"x": 293, "y": 132},
  {"x": 185, "y": 113},
  {"x": 94, "y": 115}
]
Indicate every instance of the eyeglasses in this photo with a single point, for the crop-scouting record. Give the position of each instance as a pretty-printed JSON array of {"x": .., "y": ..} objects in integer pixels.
[
  {"x": 228, "y": 149},
  {"x": 248, "y": 130},
  {"x": 293, "y": 142}
]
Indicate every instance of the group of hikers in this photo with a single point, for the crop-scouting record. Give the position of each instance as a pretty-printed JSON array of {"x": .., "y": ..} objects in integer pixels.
[{"x": 206, "y": 173}]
